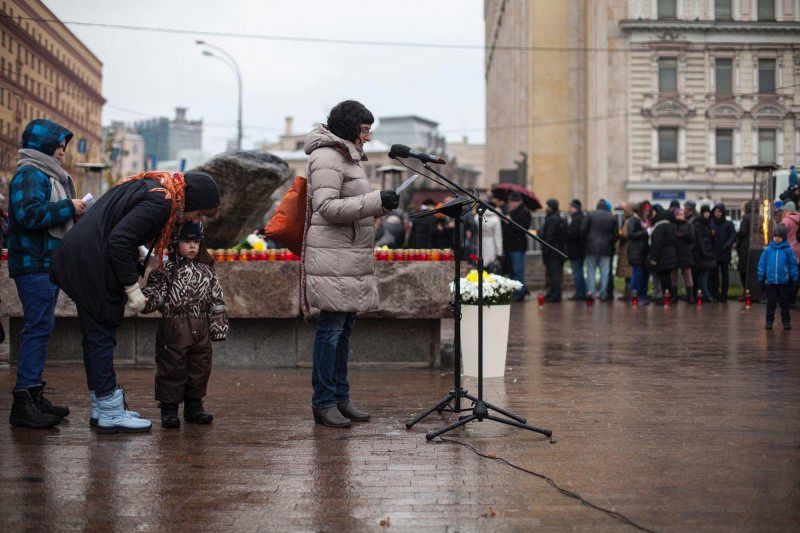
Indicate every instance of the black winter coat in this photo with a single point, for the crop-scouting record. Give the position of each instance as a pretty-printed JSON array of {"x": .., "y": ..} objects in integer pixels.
[
  {"x": 663, "y": 253},
  {"x": 601, "y": 231},
  {"x": 554, "y": 232},
  {"x": 638, "y": 242},
  {"x": 422, "y": 232},
  {"x": 515, "y": 240},
  {"x": 684, "y": 243},
  {"x": 99, "y": 257},
  {"x": 704, "y": 258},
  {"x": 724, "y": 239},
  {"x": 743, "y": 241},
  {"x": 575, "y": 245}
]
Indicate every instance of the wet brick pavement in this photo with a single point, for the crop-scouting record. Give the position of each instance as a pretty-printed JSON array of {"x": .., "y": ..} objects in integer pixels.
[{"x": 683, "y": 419}]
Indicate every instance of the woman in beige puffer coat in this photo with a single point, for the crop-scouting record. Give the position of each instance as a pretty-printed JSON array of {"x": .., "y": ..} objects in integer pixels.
[{"x": 337, "y": 257}]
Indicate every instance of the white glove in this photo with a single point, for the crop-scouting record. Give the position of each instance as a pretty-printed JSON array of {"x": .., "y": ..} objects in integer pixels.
[{"x": 136, "y": 299}]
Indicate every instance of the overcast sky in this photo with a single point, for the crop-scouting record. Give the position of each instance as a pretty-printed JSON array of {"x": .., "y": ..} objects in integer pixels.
[{"x": 152, "y": 73}]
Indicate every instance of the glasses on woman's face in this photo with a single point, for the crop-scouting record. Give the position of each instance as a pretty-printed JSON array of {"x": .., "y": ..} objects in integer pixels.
[{"x": 366, "y": 130}]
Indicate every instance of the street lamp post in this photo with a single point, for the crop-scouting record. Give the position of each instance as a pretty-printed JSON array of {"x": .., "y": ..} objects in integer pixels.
[{"x": 228, "y": 59}]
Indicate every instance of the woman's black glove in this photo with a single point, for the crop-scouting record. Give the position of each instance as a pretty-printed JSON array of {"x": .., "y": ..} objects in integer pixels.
[{"x": 389, "y": 199}]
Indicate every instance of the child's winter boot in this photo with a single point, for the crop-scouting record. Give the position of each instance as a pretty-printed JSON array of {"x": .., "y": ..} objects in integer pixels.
[
  {"x": 169, "y": 416},
  {"x": 194, "y": 414},
  {"x": 114, "y": 419},
  {"x": 96, "y": 412}
]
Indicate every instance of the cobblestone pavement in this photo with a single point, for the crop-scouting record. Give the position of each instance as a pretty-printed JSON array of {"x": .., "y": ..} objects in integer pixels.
[{"x": 681, "y": 419}]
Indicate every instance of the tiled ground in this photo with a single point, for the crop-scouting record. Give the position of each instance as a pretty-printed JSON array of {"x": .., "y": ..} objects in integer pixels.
[{"x": 682, "y": 419}]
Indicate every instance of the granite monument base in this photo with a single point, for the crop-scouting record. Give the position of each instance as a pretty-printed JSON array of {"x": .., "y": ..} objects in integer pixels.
[{"x": 260, "y": 342}]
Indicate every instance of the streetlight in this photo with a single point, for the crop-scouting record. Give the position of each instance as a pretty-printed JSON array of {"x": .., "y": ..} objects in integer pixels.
[{"x": 228, "y": 59}]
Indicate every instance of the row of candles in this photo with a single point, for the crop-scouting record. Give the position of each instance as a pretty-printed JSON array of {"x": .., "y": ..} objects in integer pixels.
[
  {"x": 401, "y": 254},
  {"x": 222, "y": 255},
  {"x": 283, "y": 254}
]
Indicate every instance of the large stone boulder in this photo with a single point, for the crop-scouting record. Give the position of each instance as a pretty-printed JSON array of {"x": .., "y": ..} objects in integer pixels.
[{"x": 246, "y": 179}]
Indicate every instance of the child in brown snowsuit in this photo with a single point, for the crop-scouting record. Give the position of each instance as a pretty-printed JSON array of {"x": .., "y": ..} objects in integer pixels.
[{"x": 193, "y": 315}]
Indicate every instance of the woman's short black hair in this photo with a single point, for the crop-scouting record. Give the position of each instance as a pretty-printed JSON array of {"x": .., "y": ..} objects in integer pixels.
[{"x": 346, "y": 117}]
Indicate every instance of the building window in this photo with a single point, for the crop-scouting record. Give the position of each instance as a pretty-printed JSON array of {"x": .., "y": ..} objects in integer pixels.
[
  {"x": 667, "y": 9},
  {"x": 667, "y": 75},
  {"x": 766, "y": 75},
  {"x": 667, "y": 145},
  {"x": 723, "y": 10},
  {"x": 766, "y": 9},
  {"x": 724, "y": 147},
  {"x": 766, "y": 147},
  {"x": 724, "y": 76}
]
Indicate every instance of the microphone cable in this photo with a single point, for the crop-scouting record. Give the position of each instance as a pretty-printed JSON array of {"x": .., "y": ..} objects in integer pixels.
[{"x": 566, "y": 492}]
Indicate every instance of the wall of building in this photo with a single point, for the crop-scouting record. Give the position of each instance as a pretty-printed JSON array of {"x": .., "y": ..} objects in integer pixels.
[
  {"x": 47, "y": 72},
  {"x": 562, "y": 99},
  {"x": 508, "y": 89}
]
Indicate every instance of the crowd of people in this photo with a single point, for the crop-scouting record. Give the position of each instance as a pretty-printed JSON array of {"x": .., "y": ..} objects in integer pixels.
[{"x": 679, "y": 244}]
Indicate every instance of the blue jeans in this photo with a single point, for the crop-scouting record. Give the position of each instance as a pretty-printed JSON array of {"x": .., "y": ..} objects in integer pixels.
[
  {"x": 39, "y": 298},
  {"x": 577, "y": 278},
  {"x": 331, "y": 352},
  {"x": 702, "y": 280},
  {"x": 516, "y": 262},
  {"x": 99, "y": 342},
  {"x": 592, "y": 261},
  {"x": 639, "y": 281}
]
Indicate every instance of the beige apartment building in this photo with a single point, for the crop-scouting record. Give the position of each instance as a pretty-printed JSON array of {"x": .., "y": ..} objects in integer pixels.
[
  {"x": 635, "y": 99},
  {"x": 47, "y": 72}
]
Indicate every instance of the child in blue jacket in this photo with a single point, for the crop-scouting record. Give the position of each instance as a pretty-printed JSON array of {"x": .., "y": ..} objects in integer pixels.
[{"x": 777, "y": 272}]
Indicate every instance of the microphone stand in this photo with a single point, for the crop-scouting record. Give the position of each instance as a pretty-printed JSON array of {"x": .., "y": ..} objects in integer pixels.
[{"x": 480, "y": 409}]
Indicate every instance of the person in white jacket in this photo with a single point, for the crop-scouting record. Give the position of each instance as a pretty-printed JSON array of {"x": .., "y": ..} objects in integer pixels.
[{"x": 491, "y": 239}]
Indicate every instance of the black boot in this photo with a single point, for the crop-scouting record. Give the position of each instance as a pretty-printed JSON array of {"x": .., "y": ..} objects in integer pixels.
[
  {"x": 348, "y": 410},
  {"x": 169, "y": 416},
  {"x": 768, "y": 324},
  {"x": 787, "y": 324},
  {"x": 44, "y": 405},
  {"x": 25, "y": 413},
  {"x": 194, "y": 414},
  {"x": 331, "y": 417}
]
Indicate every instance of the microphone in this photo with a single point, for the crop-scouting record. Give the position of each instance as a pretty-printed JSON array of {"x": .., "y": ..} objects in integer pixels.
[{"x": 401, "y": 150}]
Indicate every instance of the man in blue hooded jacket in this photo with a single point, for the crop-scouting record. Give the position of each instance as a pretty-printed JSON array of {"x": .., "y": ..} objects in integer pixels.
[{"x": 42, "y": 208}]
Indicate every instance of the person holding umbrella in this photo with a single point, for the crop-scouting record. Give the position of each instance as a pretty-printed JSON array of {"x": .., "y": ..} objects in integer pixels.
[{"x": 520, "y": 201}]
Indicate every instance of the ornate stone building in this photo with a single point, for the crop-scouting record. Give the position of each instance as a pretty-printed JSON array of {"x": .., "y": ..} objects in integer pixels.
[
  {"x": 634, "y": 99},
  {"x": 47, "y": 72},
  {"x": 714, "y": 87}
]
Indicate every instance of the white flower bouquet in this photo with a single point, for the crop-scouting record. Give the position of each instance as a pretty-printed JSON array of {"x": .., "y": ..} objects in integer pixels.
[{"x": 497, "y": 290}]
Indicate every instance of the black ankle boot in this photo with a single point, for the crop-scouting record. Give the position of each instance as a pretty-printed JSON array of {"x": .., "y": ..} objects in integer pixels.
[
  {"x": 169, "y": 416},
  {"x": 25, "y": 413},
  {"x": 348, "y": 410},
  {"x": 331, "y": 417},
  {"x": 787, "y": 324},
  {"x": 44, "y": 405},
  {"x": 194, "y": 414}
]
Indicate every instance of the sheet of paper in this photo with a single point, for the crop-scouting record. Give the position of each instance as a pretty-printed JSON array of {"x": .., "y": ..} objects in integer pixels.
[
  {"x": 88, "y": 200},
  {"x": 406, "y": 183}
]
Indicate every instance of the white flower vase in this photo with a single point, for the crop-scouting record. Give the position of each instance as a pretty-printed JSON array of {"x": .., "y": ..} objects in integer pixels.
[{"x": 495, "y": 339}]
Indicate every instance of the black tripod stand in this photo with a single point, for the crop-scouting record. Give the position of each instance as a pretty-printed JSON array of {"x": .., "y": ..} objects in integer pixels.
[{"x": 452, "y": 402}]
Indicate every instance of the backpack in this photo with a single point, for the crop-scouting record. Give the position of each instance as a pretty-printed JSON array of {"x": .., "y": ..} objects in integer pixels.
[{"x": 287, "y": 225}]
